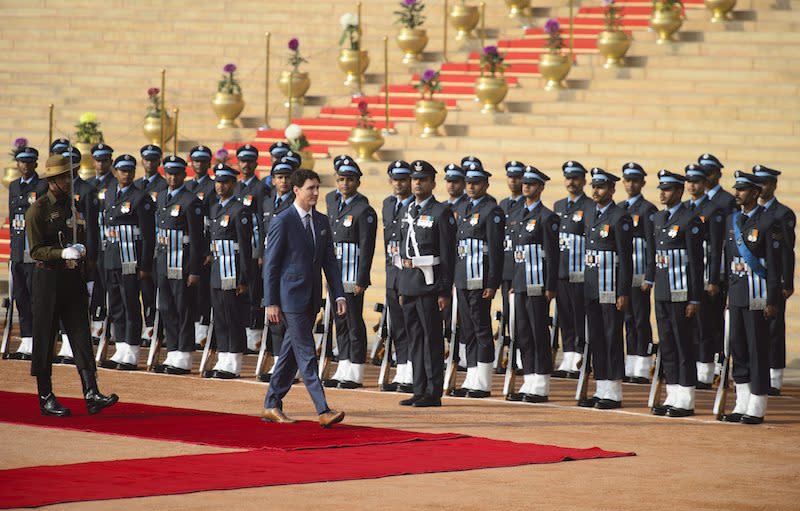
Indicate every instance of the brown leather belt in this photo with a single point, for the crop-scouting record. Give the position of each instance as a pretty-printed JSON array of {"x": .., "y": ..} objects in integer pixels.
[{"x": 51, "y": 265}]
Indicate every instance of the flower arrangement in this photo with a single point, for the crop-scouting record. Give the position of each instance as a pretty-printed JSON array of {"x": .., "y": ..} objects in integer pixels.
[
  {"x": 554, "y": 42},
  {"x": 18, "y": 145},
  {"x": 612, "y": 15},
  {"x": 295, "y": 59},
  {"x": 492, "y": 61},
  {"x": 410, "y": 14},
  {"x": 669, "y": 5},
  {"x": 428, "y": 83},
  {"x": 154, "y": 96},
  {"x": 221, "y": 156},
  {"x": 88, "y": 129},
  {"x": 350, "y": 31},
  {"x": 364, "y": 120},
  {"x": 295, "y": 137},
  {"x": 229, "y": 84}
]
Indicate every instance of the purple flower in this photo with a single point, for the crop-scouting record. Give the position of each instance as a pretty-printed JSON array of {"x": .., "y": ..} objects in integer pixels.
[
  {"x": 490, "y": 50},
  {"x": 229, "y": 68},
  {"x": 21, "y": 142},
  {"x": 608, "y": 3},
  {"x": 551, "y": 26},
  {"x": 222, "y": 154},
  {"x": 409, "y": 3},
  {"x": 294, "y": 44},
  {"x": 428, "y": 75}
]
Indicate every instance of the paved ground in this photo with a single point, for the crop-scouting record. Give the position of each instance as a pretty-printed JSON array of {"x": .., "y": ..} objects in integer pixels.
[{"x": 694, "y": 463}]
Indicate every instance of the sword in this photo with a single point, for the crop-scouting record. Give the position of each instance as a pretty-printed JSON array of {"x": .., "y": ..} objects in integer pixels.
[
  {"x": 262, "y": 350},
  {"x": 207, "y": 349},
  {"x": 725, "y": 373},
  {"x": 450, "y": 373},
  {"x": 324, "y": 359},
  {"x": 155, "y": 344},
  {"x": 583, "y": 380},
  {"x": 510, "y": 376},
  {"x": 386, "y": 362}
]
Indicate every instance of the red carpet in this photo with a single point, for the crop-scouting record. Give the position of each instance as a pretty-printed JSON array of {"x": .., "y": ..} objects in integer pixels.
[{"x": 289, "y": 454}]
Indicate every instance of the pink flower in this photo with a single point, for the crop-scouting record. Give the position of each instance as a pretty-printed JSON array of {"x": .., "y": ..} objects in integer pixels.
[
  {"x": 294, "y": 44},
  {"x": 363, "y": 107},
  {"x": 21, "y": 142},
  {"x": 409, "y": 3},
  {"x": 490, "y": 50},
  {"x": 221, "y": 155},
  {"x": 608, "y": 3},
  {"x": 229, "y": 68},
  {"x": 152, "y": 91},
  {"x": 551, "y": 26},
  {"x": 428, "y": 75}
]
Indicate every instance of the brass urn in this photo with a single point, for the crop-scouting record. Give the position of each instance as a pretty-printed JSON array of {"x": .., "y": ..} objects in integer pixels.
[
  {"x": 517, "y": 7},
  {"x": 87, "y": 162},
  {"x": 300, "y": 84},
  {"x": 306, "y": 159},
  {"x": 227, "y": 107},
  {"x": 152, "y": 129},
  {"x": 464, "y": 18},
  {"x": 430, "y": 115},
  {"x": 720, "y": 9},
  {"x": 353, "y": 63},
  {"x": 11, "y": 174},
  {"x": 665, "y": 22},
  {"x": 365, "y": 141},
  {"x": 491, "y": 91},
  {"x": 613, "y": 45},
  {"x": 554, "y": 67},
  {"x": 412, "y": 41}
]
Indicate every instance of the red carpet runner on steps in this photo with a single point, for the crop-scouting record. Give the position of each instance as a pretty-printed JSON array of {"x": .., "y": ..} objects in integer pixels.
[{"x": 275, "y": 455}]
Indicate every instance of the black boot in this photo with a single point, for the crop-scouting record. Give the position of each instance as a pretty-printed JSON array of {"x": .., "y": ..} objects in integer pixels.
[
  {"x": 95, "y": 401},
  {"x": 48, "y": 404}
]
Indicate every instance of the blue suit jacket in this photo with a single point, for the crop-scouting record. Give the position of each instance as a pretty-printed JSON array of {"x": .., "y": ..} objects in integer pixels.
[{"x": 292, "y": 277}]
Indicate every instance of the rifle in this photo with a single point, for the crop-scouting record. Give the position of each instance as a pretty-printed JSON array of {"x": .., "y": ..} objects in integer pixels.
[
  {"x": 102, "y": 347},
  {"x": 376, "y": 355},
  {"x": 155, "y": 343},
  {"x": 324, "y": 359},
  {"x": 207, "y": 349},
  {"x": 262, "y": 350},
  {"x": 554, "y": 331},
  {"x": 501, "y": 340},
  {"x": 450, "y": 372},
  {"x": 583, "y": 379},
  {"x": 8, "y": 303},
  {"x": 725, "y": 372},
  {"x": 511, "y": 373},
  {"x": 658, "y": 381},
  {"x": 386, "y": 361}
]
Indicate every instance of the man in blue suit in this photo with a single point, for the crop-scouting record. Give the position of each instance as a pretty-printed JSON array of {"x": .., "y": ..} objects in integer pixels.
[{"x": 298, "y": 246}]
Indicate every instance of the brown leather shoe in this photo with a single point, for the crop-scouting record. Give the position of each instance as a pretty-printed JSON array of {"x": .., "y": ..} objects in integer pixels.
[
  {"x": 329, "y": 418},
  {"x": 276, "y": 415}
]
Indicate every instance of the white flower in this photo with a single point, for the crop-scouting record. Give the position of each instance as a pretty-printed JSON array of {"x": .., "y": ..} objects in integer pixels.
[
  {"x": 293, "y": 132},
  {"x": 348, "y": 20}
]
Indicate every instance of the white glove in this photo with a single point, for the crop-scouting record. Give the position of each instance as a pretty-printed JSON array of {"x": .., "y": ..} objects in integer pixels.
[
  {"x": 70, "y": 254},
  {"x": 80, "y": 248}
]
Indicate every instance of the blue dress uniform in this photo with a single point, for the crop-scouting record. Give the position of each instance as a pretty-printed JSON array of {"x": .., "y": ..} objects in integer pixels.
[
  {"x": 270, "y": 208},
  {"x": 678, "y": 282},
  {"x": 203, "y": 187},
  {"x": 179, "y": 253},
  {"x": 231, "y": 238},
  {"x": 455, "y": 173},
  {"x": 510, "y": 205},
  {"x": 609, "y": 272},
  {"x": 251, "y": 193},
  {"x": 276, "y": 151},
  {"x": 753, "y": 247},
  {"x": 480, "y": 228},
  {"x": 105, "y": 186},
  {"x": 573, "y": 212},
  {"x": 427, "y": 251},
  {"x": 785, "y": 218},
  {"x": 638, "y": 332},
  {"x": 394, "y": 210},
  {"x": 354, "y": 224},
  {"x": 707, "y": 326},
  {"x": 535, "y": 272},
  {"x": 152, "y": 186},
  {"x": 129, "y": 245}
]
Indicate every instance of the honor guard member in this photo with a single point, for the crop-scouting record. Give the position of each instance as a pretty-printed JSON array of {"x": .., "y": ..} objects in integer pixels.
[
  {"x": 354, "y": 224},
  {"x": 230, "y": 235},
  {"x": 178, "y": 258},
  {"x": 21, "y": 194},
  {"x": 276, "y": 151},
  {"x": 425, "y": 283},
  {"x": 480, "y": 229},
  {"x": 282, "y": 199},
  {"x": 714, "y": 190},
  {"x": 607, "y": 286},
  {"x": 535, "y": 284},
  {"x": 572, "y": 211},
  {"x": 753, "y": 248},
  {"x": 394, "y": 210},
  {"x": 59, "y": 290},
  {"x": 708, "y": 323},
  {"x": 678, "y": 236},
  {"x": 130, "y": 244},
  {"x": 251, "y": 192},
  {"x": 457, "y": 199},
  {"x": 785, "y": 218},
  {"x": 203, "y": 187},
  {"x": 638, "y": 332},
  {"x": 152, "y": 184},
  {"x": 105, "y": 184},
  {"x": 510, "y": 205}
]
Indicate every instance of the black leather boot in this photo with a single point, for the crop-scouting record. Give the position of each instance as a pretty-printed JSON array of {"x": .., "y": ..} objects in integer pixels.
[
  {"x": 95, "y": 401},
  {"x": 48, "y": 404}
]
